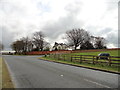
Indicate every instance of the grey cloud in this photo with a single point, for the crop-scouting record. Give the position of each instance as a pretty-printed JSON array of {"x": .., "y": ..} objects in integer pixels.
[
  {"x": 54, "y": 29},
  {"x": 119, "y": 24},
  {"x": 74, "y": 8},
  {"x": 112, "y": 4},
  {"x": 10, "y": 8},
  {"x": 0, "y": 34},
  {"x": 104, "y": 31},
  {"x": 119, "y": 16},
  {"x": 112, "y": 38},
  {"x": 7, "y": 37},
  {"x": 44, "y": 7}
]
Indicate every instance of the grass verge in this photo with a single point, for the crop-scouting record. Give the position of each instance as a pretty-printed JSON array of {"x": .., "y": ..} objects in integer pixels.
[
  {"x": 97, "y": 67},
  {"x": 6, "y": 79},
  {"x": 0, "y": 73}
]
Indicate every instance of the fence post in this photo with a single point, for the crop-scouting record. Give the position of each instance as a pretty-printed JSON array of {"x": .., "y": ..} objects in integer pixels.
[
  {"x": 109, "y": 63},
  {"x": 71, "y": 58},
  {"x": 52, "y": 56},
  {"x": 80, "y": 58},
  {"x": 55, "y": 56},
  {"x": 93, "y": 60},
  {"x": 64, "y": 57},
  {"x": 97, "y": 57},
  {"x": 58, "y": 56}
]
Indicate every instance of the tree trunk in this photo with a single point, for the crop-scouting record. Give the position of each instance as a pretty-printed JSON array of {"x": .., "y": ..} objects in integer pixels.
[{"x": 75, "y": 47}]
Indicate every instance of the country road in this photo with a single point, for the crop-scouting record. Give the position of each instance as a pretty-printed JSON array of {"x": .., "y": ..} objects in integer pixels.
[{"x": 30, "y": 72}]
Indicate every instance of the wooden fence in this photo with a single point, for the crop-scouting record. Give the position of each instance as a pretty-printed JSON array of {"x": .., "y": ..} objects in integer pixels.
[{"x": 90, "y": 59}]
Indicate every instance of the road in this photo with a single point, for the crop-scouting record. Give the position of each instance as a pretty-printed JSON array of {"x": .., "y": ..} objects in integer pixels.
[{"x": 30, "y": 72}]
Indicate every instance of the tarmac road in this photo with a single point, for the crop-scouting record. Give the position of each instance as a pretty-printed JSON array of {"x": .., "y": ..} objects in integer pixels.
[{"x": 30, "y": 72}]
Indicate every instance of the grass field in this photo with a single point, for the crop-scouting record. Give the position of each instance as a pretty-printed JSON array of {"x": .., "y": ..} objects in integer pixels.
[
  {"x": 111, "y": 52},
  {"x": 66, "y": 58}
]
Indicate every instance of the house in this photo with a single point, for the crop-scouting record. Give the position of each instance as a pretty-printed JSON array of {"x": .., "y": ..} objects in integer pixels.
[{"x": 59, "y": 46}]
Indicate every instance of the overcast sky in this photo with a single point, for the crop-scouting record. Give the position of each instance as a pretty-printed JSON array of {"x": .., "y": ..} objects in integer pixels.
[{"x": 20, "y": 18}]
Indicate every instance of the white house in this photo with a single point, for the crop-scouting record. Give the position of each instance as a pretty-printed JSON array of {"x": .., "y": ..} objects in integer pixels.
[{"x": 60, "y": 46}]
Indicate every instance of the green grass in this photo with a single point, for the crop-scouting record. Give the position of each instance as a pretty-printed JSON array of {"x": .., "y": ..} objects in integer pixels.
[{"x": 111, "y": 52}]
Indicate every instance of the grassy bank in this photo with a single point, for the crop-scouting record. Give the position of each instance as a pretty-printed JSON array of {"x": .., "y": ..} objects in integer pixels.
[
  {"x": 67, "y": 59},
  {"x": 6, "y": 79}
]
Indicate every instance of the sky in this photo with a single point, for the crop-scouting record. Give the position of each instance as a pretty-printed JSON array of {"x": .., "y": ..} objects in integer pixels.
[{"x": 21, "y": 18}]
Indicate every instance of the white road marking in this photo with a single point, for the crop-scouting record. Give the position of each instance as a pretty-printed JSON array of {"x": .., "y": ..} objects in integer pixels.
[
  {"x": 61, "y": 75},
  {"x": 97, "y": 83}
]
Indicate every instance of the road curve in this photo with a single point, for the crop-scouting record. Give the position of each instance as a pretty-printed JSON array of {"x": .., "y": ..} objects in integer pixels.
[{"x": 30, "y": 72}]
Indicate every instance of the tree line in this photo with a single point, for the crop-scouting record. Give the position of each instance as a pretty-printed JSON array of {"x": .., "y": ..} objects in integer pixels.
[
  {"x": 76, "y": 38},
  {"x": 25, "y": 44},
  {"x": 82, "y": 39}
]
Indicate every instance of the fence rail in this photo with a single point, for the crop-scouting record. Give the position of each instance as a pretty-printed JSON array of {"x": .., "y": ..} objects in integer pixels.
[{"x": 110, "y": 61}]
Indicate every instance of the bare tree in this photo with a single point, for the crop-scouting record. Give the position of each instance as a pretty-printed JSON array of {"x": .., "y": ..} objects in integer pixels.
[
  {"x": 23, "y": 45},
  {"x": 46, "y": 46},
  {"x": 76, "y": 37},
  {"x": 28, "y": 45},
  {"x": 100, "y": 42},
  {"x": 87, "y": 45},
  {"x": 38, "y": 40},
  {"x": 18, "y": 46}
]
